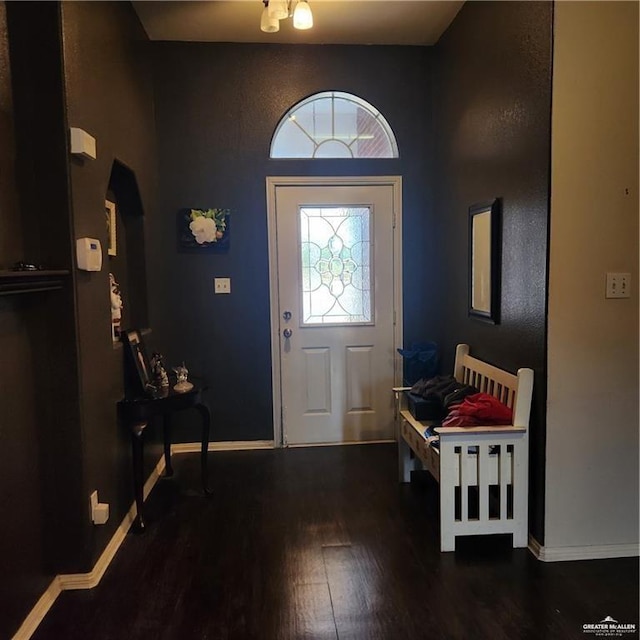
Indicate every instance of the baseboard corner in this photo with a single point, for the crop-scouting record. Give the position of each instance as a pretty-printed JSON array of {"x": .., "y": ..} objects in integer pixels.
[
  {"x": 39, "y": 611},
  {"x": 72, "y": 581},
  {"x": 585, "y": 552}
]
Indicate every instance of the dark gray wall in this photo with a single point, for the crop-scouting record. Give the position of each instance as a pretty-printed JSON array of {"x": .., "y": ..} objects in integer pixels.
[
  {"x": 20, "y": 533},
  {"x": 39, "y": 386},
  {"x": 58, "y": 422},
  {"x": 217, "y": 107},
  {"x": 108, "y": 93},
  {"x": 492, "y": 121}
]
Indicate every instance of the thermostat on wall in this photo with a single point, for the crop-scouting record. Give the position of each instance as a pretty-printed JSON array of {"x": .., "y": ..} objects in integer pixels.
[{"x": 89, "y": 254}]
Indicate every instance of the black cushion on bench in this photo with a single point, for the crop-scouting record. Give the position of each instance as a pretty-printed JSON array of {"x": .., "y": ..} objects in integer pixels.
[
  {"x": 437, "y": 387},
  {"x": 425, "y": 408},
  {"x": 430, "y": 398}
]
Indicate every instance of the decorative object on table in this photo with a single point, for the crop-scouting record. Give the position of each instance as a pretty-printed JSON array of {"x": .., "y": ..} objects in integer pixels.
[
  {"x": 484, "y": 261},
  {"x": 116, "y": 308},
  {"x": 182, "y": 385},
  {"x": 138, "y": 381},
  {"x": 26, "y": 266},
  {"x": 203, "y": 230},
  {"x": 160, "y": 376},
  {"x": 110, "y": 213}
]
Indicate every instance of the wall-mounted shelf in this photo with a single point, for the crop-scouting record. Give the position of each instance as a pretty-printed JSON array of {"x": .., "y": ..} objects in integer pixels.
[{"x": 13, "y": 282}]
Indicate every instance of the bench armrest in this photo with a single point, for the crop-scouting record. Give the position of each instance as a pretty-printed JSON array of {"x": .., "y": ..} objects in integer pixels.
[{"x": 479, "y": 430}]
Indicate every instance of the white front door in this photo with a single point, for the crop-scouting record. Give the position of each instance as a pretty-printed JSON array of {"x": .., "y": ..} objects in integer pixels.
[{"x": 335, "y": 310}]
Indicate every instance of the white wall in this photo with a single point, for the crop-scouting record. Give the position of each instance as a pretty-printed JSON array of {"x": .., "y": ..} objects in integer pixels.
[{"x": 592, "y": 414}]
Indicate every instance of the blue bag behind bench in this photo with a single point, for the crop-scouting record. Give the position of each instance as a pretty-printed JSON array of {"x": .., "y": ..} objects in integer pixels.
[{"x": 420, "y": 361}]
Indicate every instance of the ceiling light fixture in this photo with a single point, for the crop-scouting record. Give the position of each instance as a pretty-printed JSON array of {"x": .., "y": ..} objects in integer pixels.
[
  {"x": 267, "y": 23},
  {"x": 276, "y": 10},
  {"x": 302, "y": 16}
]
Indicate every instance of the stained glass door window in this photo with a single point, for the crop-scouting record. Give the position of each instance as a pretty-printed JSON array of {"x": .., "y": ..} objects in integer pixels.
[{"x": 335, "y": 261}]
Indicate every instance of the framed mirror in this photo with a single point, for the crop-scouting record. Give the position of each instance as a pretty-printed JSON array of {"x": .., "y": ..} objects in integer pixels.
[{"x": 484, "y": 261}]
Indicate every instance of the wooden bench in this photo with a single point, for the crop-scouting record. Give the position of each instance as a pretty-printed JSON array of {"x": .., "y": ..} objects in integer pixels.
[{"x": 482, "y": 471}]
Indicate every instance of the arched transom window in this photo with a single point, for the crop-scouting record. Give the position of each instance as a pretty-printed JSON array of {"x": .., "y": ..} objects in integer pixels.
[{"x": 333, "y": 125}]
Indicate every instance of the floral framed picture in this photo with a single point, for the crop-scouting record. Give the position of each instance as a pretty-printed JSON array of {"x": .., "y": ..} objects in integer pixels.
[
  {"x": 203, "y": 230},
  {"x": 110, "y": 214}
]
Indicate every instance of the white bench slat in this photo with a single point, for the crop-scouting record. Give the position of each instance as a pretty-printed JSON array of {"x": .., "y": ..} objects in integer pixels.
[
  {"x": 483, "y": 481},
  {"x": 506, "y": 475}
]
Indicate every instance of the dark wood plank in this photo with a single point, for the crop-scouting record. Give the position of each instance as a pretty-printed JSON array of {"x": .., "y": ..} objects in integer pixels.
[{"x": 323, "y": 543}]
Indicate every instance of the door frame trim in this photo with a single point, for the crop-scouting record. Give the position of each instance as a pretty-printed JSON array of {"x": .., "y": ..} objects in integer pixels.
[{"x": 272, "y": 184}]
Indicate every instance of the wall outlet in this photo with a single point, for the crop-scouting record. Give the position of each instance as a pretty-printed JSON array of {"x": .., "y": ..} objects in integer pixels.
[
  {"x": 99, "y": 510},
  {"x": 222, "y": 285},
  {"x": 618, "y": 285}
]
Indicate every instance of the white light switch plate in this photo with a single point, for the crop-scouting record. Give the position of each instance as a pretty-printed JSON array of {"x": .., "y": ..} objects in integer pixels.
[
  {"x": 222, "y": 285},
  {"x": 618, "y": 285}
]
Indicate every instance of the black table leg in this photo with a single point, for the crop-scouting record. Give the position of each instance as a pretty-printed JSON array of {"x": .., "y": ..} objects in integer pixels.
[
  {"x": 203, "y": 410},
  {"x": 166, "y": 427},
  {"x": 137, "y": 443},
  {"x": 136, "y": 413}
]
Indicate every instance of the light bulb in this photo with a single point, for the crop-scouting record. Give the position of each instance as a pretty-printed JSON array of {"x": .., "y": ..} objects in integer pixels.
[
  {"x": 267, "y": 24},
  {"x": 302, "y": 16},
  {"x": 278, "y": 9}
]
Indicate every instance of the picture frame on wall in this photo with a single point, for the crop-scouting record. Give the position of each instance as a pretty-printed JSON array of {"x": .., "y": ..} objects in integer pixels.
[
  {"x": 110, "y": 214},
  {"x": 485, "y": 261},
  {"x": 140, "y": 367},
  {"x": 206, "y": 230}
]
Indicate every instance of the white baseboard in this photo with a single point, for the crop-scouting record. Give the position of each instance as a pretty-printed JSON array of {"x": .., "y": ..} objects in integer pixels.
[
  {"x": 39, "y": 611},
  {"x": 339, "y": 444},
  {"x": 591, "y": 552},
  {"x": 70, "y": 581},
  {"x": 239, "y": 445}
]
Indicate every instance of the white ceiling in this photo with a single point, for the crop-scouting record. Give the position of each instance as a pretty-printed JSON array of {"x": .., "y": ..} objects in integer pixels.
[{"x": 404, "y": 22}]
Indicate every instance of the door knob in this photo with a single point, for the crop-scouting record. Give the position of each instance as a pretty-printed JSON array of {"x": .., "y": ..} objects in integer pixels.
[
  {"x": 287, "y": 333},
  {"x": 287, "y": 316}
]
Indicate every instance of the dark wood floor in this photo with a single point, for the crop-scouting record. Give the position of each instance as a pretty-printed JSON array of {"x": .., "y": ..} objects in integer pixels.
[{"x": 323, "y": 543}]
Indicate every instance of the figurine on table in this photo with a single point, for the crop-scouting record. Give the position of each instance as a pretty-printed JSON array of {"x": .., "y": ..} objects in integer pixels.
[
  {"x": 182, "y": 385},
  {"x": 160, "y": 377}
]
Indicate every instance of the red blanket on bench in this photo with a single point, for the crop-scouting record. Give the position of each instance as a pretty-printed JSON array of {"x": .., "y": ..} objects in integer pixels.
[{"x": 478, "y": 409}]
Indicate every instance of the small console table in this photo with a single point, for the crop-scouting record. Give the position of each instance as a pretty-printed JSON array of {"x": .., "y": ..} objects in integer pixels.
[{"x": 136, "y": 414}]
